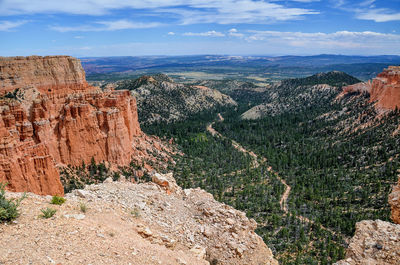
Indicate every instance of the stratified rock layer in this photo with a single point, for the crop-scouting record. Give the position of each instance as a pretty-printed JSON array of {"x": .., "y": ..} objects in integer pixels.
[
  {"x": 50, "y": 74},
  {"x": 384, "y": 90},
  {"x": 50, "y": 115}
]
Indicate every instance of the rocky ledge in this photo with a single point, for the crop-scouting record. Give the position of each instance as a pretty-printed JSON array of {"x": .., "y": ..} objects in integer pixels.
[{"x": 127, "y": 223}]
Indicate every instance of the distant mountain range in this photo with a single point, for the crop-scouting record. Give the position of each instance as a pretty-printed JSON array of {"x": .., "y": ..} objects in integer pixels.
[{"x": 362, "y": 67}]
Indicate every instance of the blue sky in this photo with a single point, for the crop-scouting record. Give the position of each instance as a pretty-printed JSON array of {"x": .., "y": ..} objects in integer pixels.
[{"x": 177, "y": 27}]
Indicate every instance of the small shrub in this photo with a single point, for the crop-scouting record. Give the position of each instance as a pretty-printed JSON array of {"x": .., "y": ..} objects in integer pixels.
[
  {"x": 83, "y": 207},
  {"x": 57, "y": 200},
  {"x": 135, "y": 212},
  {"x": 116, "y": 176},
  {"x": 47, "y": 213},
  {"x": 214, "y": 262},
  {"x": 8, "y": 208}
]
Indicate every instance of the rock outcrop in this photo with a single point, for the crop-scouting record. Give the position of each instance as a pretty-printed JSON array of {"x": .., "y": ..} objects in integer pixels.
[
  {"x": 374, "y": 242},
  {"x": 50, "y": 116},
  {"x": 133, "y": 223},
  {"x": 384, "y": 90},
  {"x": 394, "y": 201}
]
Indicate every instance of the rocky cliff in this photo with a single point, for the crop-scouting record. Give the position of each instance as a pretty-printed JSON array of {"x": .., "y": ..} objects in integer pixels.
[
  {"x": 50, "y": 116},
  {"x": 50, "y": 74},
  {"x": 127, "y": 223},
  {"x": 384, "y": 90}
]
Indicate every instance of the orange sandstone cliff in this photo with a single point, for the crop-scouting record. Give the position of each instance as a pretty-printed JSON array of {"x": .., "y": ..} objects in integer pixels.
[
  {"x": 384, "y": 90},
  {"x": 49, "y": 115}
]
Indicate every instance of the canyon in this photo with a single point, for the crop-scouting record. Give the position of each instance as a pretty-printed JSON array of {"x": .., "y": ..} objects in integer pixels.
[{"x": 51, "y": 117}]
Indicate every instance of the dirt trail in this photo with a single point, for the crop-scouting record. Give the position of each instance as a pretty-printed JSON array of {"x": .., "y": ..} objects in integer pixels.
[{"x": 284, "y": 198}]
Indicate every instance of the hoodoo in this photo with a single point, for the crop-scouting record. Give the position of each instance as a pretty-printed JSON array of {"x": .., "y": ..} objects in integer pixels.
[{"x": 50, "y": 115}]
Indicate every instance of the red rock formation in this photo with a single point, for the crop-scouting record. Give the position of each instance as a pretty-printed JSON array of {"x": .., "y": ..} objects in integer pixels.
[
  {"x": 59, "y": 118},
  {"x": 384, "y": 89},
  {"x": 50, "y": 74}
]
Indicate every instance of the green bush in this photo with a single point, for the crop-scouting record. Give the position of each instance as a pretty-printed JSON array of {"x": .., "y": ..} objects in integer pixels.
[
  {"x": 83, "y": 207},
  {"x": 57, "y": 200},
  {"x": 47, "y": 213},
  {"x": 8, "y": 208}
]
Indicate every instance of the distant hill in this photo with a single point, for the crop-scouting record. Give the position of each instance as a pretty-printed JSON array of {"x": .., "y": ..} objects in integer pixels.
[
  {"x": 160, "y": 99},
  {"x": 296, "y": 94}
]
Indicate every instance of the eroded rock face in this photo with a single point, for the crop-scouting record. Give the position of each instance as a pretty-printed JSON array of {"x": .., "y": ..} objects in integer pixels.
[
  {"x": 394, "y": 201},
  {"x": 54, "y": 117},
  {"x": 384, "y": 89},
  {"x": 374, "y": 242},
  {"x": 50, "y": 74}
]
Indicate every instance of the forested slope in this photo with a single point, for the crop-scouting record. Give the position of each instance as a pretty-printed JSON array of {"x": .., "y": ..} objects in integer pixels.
[{"x": 339, "y": 157}]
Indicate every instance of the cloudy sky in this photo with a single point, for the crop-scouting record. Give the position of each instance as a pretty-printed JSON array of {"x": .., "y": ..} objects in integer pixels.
[{"x": 180, "y": 27}]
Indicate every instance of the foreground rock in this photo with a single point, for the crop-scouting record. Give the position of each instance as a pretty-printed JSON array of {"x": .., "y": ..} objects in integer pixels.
[
  {"x": 130, "y": 223},
  {"x": 374, "y": 242},
  {"x": 50, "y": 116},
  {"x": 384, "y": 90}
]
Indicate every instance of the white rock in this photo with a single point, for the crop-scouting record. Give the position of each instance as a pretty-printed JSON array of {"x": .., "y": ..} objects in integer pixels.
[
  {"x": 108, "y": 180},
  {"x": 75, "y": 216},
  {"x": 230, "y": 221},
  {"x": 82, "y": 193},
  {"x": 181, "y": 261},
  {"x": 198, "y": 251}
]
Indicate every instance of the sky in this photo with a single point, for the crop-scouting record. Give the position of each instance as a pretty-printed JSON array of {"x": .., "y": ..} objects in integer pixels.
[{"x": 87, "y": 28}]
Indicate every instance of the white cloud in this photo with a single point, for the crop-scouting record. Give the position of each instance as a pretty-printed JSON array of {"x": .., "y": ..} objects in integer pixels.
[
  {"x": 235, "y": 33},
  {"x": 187, "y": 11},
  {"x": 107, "y": 26},
  {"x": 326, "y": 41},
  {"x": 211, "y": 33},
  {"x": 9, "y": 25},
  {"x": 378, "y": 15},
  {"x": 367, "y": 10},
  {"x": 367, "y": 3},
  {"x": 305, "y": 1},
  {"x": 171, "y": 33}
]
